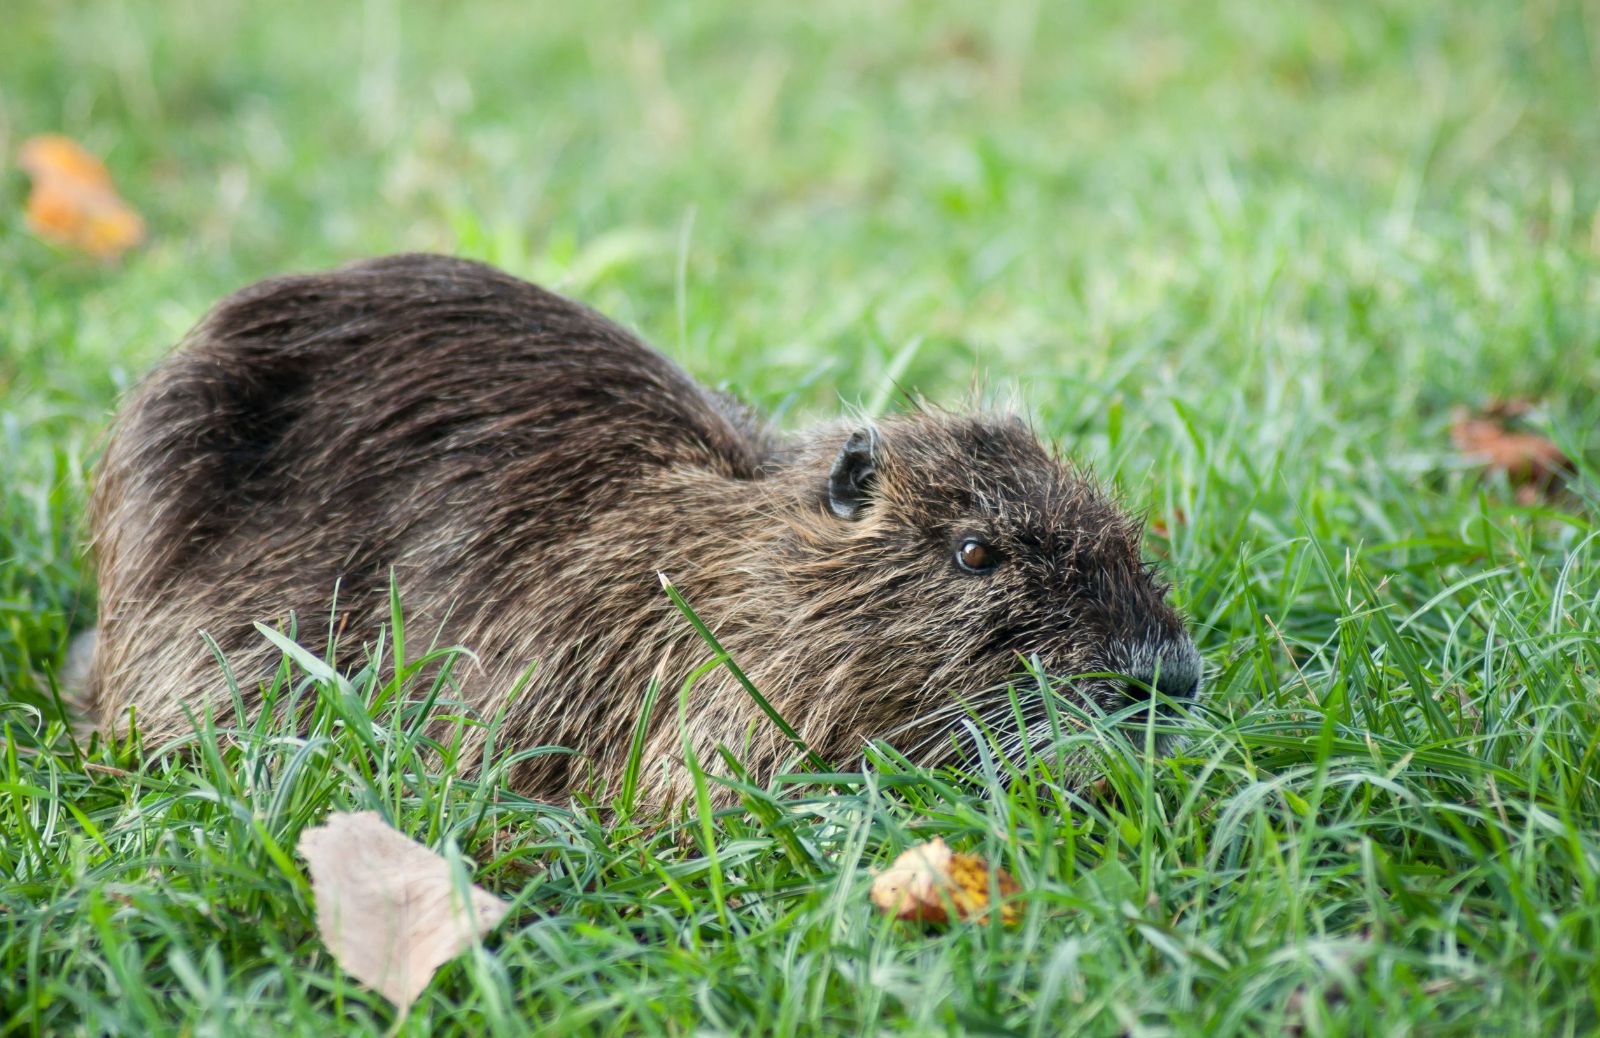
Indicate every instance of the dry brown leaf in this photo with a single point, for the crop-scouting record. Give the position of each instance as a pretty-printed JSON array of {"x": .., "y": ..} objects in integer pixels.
[
  {"x": 388, "y": 908},
  {"x": 1531, "y": 463},
  {"x": 929, "y": 882},
  {"x": 1161, "y": 530},
  {"x": 73, "y": 201}
]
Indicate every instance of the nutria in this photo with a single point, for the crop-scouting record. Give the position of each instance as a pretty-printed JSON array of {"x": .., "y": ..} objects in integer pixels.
[{"x": 526, "y": 470}]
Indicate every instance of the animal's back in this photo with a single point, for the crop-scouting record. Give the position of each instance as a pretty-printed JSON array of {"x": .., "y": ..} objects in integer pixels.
[{"x": 411, "y": 415}]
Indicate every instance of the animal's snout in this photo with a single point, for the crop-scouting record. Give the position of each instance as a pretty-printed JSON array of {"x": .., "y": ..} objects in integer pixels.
[{"x": 1170, "y": 671}]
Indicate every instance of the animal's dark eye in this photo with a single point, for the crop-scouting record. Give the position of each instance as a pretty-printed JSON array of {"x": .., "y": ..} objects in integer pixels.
[{"x": 974, "y": 556}]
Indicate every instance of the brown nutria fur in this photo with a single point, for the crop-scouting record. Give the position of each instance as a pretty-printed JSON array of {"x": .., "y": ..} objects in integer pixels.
[{"x": 526, "y": 469}]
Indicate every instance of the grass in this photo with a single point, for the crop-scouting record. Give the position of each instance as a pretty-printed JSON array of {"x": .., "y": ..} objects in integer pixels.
[{"x": 1244, "y": 259}]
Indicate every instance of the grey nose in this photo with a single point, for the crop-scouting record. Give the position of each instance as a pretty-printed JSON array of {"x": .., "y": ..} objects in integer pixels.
[{"x": 1175, "y": 675}]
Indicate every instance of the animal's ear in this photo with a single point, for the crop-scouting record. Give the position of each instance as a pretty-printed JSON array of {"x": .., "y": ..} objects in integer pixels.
[{"x": 854, "y": 472}]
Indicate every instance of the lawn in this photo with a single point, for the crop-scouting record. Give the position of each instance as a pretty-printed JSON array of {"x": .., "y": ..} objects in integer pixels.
[{"x": 1246, "y": 260}]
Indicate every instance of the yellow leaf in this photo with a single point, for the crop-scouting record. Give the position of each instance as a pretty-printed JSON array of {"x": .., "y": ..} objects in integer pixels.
[
  {"x": 930, "y": 882},
  {"x": 73, "y": 201}
]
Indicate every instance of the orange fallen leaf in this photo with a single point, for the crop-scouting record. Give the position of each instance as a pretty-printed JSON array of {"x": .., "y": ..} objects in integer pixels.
[
  {"x": 1529, "y": 462},
  {"x": 388, "y": 908},
  {"x": 929, "y": 882},
  {"x": 73, "y": 201}
]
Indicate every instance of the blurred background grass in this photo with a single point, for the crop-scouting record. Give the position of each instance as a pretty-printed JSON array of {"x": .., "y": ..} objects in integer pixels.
[{"x": 773, "y": 190}]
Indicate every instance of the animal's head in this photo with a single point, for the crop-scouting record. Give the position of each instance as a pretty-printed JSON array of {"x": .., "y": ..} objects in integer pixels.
[{"x": 957, "y": 547}]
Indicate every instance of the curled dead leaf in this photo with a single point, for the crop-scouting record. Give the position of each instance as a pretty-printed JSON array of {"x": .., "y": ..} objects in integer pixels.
[
  {"x": 930, "y": 883},
  {"x": 73, "y": 201},
  {"x": 1529, "y": 462},
  {"x": 388, "y": 908}
]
